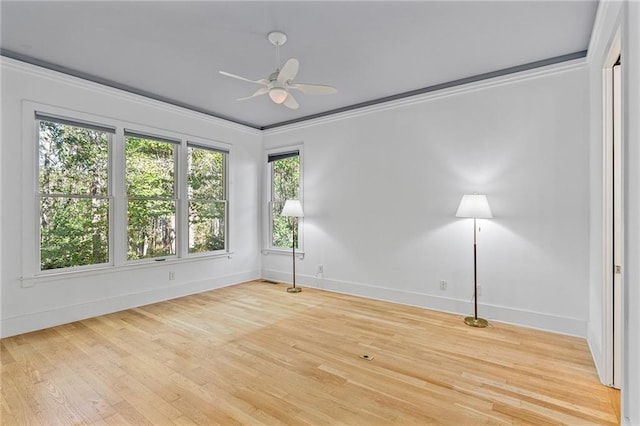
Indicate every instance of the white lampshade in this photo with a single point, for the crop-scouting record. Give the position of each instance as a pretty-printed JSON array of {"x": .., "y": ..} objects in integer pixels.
[
  {"x": 278, "y": 95},
  {"x": 292, "y": 208},
  {"x": 475, "y": 205}
]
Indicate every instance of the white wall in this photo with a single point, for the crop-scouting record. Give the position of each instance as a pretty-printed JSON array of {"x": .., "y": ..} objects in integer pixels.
[
  {"x": 67, "y": 298},
  {"x": 382, "y": 187}
]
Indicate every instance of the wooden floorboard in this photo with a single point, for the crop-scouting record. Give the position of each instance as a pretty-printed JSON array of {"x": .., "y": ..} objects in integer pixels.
[{"x": 255, "y": 354}]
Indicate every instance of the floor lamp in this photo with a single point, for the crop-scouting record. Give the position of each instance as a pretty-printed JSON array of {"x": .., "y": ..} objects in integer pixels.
[
  {"x": 477, "y": 207},
  {"x": 293, "y": 208}
]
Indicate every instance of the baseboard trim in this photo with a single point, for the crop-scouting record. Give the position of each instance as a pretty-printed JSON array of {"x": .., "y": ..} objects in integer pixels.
[
  {"x": 62, "y": 315},
  {"x": 40, "y": 320},
  {"x": 596, "y": 355},
  {"x": 530, "y": 319}
]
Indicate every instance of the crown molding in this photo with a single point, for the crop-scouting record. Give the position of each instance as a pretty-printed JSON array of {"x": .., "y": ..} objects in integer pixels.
[
  {"x": 491, "y": 79},
  {"x": 10, "y": 62},
  {"x": 450, "y": 89}
]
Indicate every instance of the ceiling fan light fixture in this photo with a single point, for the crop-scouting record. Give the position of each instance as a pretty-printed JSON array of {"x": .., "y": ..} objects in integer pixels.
[
  {"x": 278, "y": 94},
  {"x": 279, "y": 82}
]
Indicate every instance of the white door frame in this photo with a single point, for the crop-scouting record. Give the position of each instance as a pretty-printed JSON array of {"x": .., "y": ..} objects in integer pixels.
[{"x": 613, "y": 217}]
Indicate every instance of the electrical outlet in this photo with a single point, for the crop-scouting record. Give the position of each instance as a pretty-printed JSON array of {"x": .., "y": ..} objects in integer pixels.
[
  {"x": 443, "y": 285},
  {"x": 172, "y": 275},
  {"x": 320, "y": 269}
]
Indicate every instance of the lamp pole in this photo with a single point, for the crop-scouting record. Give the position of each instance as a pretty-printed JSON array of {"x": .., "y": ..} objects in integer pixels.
[
  {"x": 293, "y": 250},
  {"x": 474, "y": 321},
  {"x": 475, "y": 272}
]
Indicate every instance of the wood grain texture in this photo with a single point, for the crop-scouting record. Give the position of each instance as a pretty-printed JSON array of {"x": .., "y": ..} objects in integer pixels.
[{"x": 255, "y": 354}]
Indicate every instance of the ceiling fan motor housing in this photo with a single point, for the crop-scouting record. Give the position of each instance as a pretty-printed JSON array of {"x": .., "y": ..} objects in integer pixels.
[{"x": 277, "y": 38}]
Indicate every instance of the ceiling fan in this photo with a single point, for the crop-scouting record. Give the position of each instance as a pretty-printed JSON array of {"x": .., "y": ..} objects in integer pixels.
[{"x": 280, "y": 82}]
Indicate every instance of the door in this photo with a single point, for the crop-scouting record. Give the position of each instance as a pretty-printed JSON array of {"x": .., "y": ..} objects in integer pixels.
[
  {"x": 618, "y": 242},
  {"x": 613, "y": 219}
]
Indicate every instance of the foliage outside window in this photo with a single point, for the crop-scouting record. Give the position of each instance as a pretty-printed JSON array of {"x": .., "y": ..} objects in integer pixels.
[
  {"x": 73, "y": 192},
  {"x": 77, "y": 215},
  {"x": 285, "y": 185},
  {"x": 207, "y": 199},
  {"x": 151, "y": 197}
]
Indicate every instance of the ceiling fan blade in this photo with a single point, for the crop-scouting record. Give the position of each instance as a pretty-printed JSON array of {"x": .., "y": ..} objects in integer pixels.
[
  {"x": 288, "y": 71},
  {"x": 291, "y": 102},
  {"x": 260, "y": 91},
  {"x": 314, "y": 89},
  {"x": 228, "y": 74}
]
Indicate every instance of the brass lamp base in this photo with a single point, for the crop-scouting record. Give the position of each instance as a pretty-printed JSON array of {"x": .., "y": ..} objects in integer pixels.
[
  {"x": 294, "y": 290},
  {"x": 476, "y": 322}
]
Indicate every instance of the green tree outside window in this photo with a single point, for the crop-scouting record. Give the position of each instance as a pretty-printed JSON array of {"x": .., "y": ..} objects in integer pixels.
[
  {"x": 285, "y": 185},
  {"x": 151, "y": 211},
  {"x": 73, "y": 183},
  {"x": 207, "y": 200}
]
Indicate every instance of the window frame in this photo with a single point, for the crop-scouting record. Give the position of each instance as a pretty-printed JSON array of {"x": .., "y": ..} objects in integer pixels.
[
  {"x": 177, "y": 143},
  {"x": 38, "y": 117},
  {"x": 118, "y": 239},
  {"x": 225, "y": 190},
  {"x": 268, "y": 209}
]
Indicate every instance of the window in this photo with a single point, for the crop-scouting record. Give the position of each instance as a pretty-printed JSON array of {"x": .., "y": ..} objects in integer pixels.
[
  {"x": 108, "y": 196},
  {"x": 206, "y": 181},
  {"x": 73, "y": 193},
  {"x": 151, "y": 196},
  {"x": 284, "y": 178}
]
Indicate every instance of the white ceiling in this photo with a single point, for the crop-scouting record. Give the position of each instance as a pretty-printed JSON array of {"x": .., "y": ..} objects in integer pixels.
[{"x": 367, "y": 49}]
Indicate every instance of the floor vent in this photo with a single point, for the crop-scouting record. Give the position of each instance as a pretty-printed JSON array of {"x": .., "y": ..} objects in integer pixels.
[{"x": 269, "y": 281}]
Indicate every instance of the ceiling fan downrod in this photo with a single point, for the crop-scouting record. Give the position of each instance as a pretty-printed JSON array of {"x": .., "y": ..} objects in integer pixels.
[{"x": 277, "y": 38}]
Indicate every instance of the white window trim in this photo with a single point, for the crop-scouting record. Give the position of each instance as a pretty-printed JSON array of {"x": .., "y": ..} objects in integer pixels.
[
  {"x": 63, "y": 274},
  {"x": 31, "y": 273},
  {"x": 268, "y": 249}
]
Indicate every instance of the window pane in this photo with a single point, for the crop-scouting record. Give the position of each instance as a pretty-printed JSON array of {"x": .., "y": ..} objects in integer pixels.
[
  {"x": 285, "y": 179},
  {"x": 151, "y": 229},
  {"x": 72, "y": 160},
  {"x": 206, "y": 226},
  {"x": 206, "y": 174},
  {"x": 207, "y": 208},
  {"x": 282, "y": 227},
  {"x": 285, "y": 185},
  {"x": 73, "y": 232},
  {"x": 150, "y": 168}
]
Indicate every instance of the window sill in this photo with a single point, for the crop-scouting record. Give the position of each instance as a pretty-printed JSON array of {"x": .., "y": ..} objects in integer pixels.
[
  {"x": 110, "y": 269},
  {"x": 286, "y": 252}
]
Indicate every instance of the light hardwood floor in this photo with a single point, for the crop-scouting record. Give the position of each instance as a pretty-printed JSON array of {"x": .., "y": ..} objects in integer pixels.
[{"x": 254, "y": 354}]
